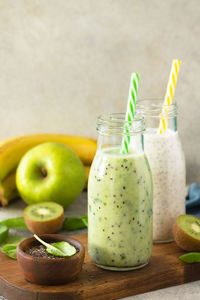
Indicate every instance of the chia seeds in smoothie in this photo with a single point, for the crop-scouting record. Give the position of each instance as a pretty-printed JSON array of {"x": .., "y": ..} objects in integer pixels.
[{"x": 120, "y": 209}]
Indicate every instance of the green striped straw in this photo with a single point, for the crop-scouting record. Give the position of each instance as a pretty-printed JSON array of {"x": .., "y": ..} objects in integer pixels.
[{"x": 130, "y": 111}]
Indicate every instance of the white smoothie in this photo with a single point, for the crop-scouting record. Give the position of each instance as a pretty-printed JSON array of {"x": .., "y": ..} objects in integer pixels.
[{"x": 167, "y": 163}]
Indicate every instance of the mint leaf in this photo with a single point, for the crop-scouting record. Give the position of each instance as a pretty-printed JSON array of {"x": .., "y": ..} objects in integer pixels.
[
  {"x": 12, "y": 240},
  {"x": 190, "y": 258},
  {"x": 14, "y": 222},
  {"x": 63, "y": 249},
  {"x": 74, "y": 223},
  {"x": 10, "y": 246},
  {"x": 85, "y": 220},
  {"x": 3, "y": 233},
  {"x": 10, "y": 250},
  {"x": 66, "y": 248}
]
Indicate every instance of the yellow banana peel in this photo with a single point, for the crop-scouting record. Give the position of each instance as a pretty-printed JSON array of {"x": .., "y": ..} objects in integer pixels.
[
  {"x": 12, "y": 150},
  {"x": 8, "y": 189},
  {"x": 87, "y": 171}
]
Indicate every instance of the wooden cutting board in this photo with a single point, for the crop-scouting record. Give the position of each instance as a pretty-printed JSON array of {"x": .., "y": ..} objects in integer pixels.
[{"x": 164, "y": 270}]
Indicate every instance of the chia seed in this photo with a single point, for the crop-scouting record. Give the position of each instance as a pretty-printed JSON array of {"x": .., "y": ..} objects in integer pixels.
[{"x": 40, "y": 251}]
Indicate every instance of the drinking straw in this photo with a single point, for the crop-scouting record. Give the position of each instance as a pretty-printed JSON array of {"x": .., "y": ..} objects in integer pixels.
[
  {"x": 176, "y": 63},
  {"x": 130, "y": 111}
]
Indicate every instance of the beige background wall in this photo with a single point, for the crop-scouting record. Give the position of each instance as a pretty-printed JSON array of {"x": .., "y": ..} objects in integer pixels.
[{"x": 63, "y": 62}]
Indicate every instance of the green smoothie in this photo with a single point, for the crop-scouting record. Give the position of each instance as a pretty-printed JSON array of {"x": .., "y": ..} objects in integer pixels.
[{"x": 120, "y": 210}]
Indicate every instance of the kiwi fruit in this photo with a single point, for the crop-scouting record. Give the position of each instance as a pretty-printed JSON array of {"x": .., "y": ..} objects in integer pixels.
[
  {"x": 44, "y": 217},
  {"x": 186, "y": 232}
]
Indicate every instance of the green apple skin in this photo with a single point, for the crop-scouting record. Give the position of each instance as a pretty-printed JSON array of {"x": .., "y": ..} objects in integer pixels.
[{"x": 50, "y": 172}]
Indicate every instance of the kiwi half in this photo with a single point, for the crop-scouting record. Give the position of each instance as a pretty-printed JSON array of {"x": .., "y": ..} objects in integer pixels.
[
  {"x": 44, "y": 217},
  {"x": 186, "y": 232}
]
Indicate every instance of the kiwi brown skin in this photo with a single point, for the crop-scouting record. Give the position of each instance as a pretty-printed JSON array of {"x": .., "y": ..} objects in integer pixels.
[
  {"x": 184, "y": 240},
  {"x": 42, "y": 227}
]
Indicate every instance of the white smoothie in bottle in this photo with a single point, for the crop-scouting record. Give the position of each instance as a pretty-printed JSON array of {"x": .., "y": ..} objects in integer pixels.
[
  {"x": 166, "y": 158},
  {"x": 167, "y": 164}
]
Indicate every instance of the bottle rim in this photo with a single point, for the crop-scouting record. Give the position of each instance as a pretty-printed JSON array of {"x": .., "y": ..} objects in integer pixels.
[
  {"x": 154, "y": 108},
  {"x": 115, "y": 123}
]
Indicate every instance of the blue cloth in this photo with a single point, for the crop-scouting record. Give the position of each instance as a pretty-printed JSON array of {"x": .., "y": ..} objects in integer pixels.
[{"x": 193, "y": 200}]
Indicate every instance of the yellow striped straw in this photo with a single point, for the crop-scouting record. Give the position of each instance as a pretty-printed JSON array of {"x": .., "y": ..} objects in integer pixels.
[{"x": 176, "y": 63}]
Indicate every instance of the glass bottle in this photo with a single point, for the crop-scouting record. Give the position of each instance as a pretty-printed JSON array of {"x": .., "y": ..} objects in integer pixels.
[
  {"x": 167, "y": 162},
  {"x": 120, "y": 197}
]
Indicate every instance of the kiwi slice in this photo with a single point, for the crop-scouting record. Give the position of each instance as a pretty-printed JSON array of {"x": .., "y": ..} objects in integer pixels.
[
  {"x": 186, "y": 231},
  {"x": 44, "y": 217}
]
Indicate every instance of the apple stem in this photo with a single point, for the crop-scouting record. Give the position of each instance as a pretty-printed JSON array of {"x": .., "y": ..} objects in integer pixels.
[{"x": 44, "y": 172}]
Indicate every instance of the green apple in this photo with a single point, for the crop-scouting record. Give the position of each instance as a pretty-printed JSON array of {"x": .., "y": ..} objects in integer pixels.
[{"x": 50, "y": 172}]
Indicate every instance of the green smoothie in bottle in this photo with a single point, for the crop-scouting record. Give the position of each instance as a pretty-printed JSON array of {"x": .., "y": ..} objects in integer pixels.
[{"x": 119, "y": 200}]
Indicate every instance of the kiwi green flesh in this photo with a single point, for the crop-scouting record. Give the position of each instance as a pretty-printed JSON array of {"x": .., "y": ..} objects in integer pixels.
[
  {"x": 190, "y": 224},
  {"x": 43, "y": 211}
]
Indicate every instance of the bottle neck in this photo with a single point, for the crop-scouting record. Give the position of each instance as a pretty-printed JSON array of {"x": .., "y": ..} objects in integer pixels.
[
  {"x": 115, "y": 142},
  {"x": 154, "y": 112},
  {"x": 113, "y": 130}
]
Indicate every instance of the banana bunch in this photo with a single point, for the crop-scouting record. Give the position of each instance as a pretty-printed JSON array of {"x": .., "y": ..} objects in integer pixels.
[{"x": 12, "y": 150}]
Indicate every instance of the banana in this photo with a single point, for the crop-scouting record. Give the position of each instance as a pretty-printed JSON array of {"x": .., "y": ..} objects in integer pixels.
[
  {"x": 11, "y": 150},
  {"x": 9, "y": 192},
  {"x": 8, "y": 189},
  {"x": 87, "y": 171}
]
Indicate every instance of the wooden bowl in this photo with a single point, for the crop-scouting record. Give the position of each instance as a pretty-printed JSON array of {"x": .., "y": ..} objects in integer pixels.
[{"x": 47, "y": 271}]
